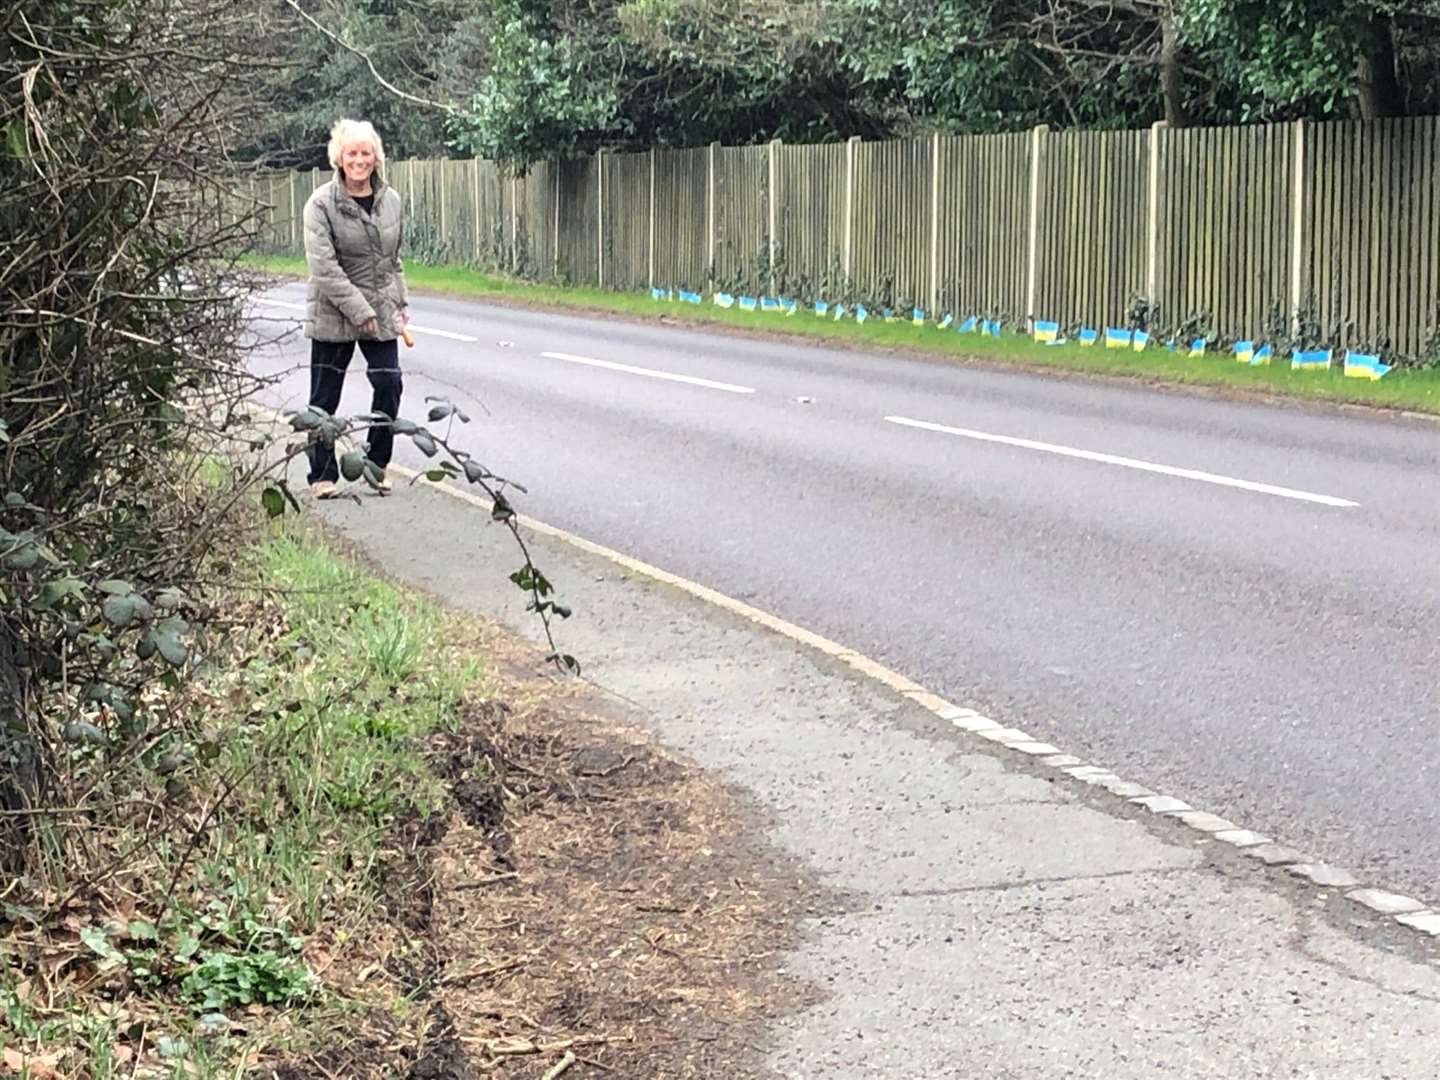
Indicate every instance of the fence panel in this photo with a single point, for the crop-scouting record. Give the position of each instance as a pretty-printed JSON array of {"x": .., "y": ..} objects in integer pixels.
[
  {"x": 1225, "y": 262},
  {"x": 682, "y": 242},
  {"x": 810, "y": 218},
  {"x": 535, "y": 221},
  {"x": 579, "y": 243},
  {"x": 627, "y": 220},
  {"x": 1092, "y": 239},
  {"x": 890, "y": 259},
  {"x": 984, "y": 225},
  {"x": 741, "y": 218},
  {"x": 1372, "y": 229},
  {"x": 1225, "y": 225}
]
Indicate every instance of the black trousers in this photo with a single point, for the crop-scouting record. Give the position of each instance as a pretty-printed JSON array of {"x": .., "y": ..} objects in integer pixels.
[{"x": 328, "y": 361}]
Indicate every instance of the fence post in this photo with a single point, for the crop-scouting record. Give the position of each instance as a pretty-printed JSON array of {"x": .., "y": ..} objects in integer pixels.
[
  {"x": 845, "y": 250},
  {"x": 710, "y": 213},
  {"x": 1152, "y": 217},
  {"x": 1037, "y": 142},
  {"x": 934, "y": 224},
  {"x": 600, "y": 217},
  {"x": 515, "y": 223},
  {"x": 1297, "y": 230},
  {"x": 440, "y": 184},
  {"x": 555, "y": 240},
  {"x": 475, "y": 209},
  {"x": 650, "y": 260},
  {"x": 772, "y": 198}
]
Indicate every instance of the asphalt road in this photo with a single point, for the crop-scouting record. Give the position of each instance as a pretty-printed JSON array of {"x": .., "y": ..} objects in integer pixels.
[{"x": 1235, "y": 603}]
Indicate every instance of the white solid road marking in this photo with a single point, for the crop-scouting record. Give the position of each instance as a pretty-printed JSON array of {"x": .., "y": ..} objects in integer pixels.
[
  {"x": 630, "y": 369},
  {"x": 1129, "y": 463},
  {"x": 413, "y": 328}
]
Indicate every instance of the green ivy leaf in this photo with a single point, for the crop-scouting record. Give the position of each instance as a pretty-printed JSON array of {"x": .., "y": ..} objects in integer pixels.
[
  {"x": 82, "y": 732},
  {"x": 440, "y": 411},
  {"x": 273, "y": 501},
  {"x": 140, "y": 930},
  {"x": 171, "y": 599},
  {"x": 307, "y": 419},
  {"x": 437, "y": 476},
  {"x": 169, "y": 639},
  {"x": 352, "y": 464},
  {"x": 57, "y": 590},
  {"x": 123, "y": 611},
  {"x": 502, "y": 510},
  {"x": 424, "y": 442},
  {"x": 98, "y": 941},
  {"x": 116, "y": 587}
]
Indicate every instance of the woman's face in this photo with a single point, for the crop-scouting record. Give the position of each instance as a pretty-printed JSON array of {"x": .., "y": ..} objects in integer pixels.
[{"x": 357, "y": 159}]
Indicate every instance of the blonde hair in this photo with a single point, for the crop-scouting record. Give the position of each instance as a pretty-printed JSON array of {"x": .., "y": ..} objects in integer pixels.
[{"x": 346, "y": 132}]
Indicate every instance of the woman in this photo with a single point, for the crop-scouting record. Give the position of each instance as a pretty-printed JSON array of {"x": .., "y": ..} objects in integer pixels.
[{"x": 353, "y": 230}]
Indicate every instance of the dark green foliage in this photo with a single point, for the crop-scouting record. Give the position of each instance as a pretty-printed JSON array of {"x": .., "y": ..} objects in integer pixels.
[{"x": 522, "y": 80}]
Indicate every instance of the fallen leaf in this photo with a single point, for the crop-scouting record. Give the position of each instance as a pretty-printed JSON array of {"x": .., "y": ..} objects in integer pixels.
[{"x": 33, "y": 1066}]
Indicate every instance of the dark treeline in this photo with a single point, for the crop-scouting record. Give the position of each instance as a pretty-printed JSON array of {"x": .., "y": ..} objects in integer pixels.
[{"x": 526, "y": 79}]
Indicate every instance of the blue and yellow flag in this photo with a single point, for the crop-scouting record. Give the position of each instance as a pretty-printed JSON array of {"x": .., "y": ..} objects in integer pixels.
[
  {"x": 659, "y": 294},
  {"x": 1262, "y": 356},
  {"x": 1244, "y": 352},
  {"x": 945, "y": 323},
  {"x": 860, "y": 313},
  {"x": 689, "y": 297},
  {"x": 1364, "y": 366},
  {"x": 1088, "y": 336},
  {"x": 1047, "y": 332},
  {"x": 990, "y": 328},
  {"x": 1140, "y": 340},
  {"x": 821, "y": 307},
  {"x": 917, "y": 316},
  {"x": 1310, "y": 360},
  {"x": 839, "y": 312},
  {"x": 1197, "y": 347},
  {"x": 790, "y": 306},
  {"x": 769, "y": 303},
  {"x": 748, "y": 303},
  {"x": 969, "y": 326},
  {"x": 724, "y": 299},
  {"x": 1116, "y": 339}
]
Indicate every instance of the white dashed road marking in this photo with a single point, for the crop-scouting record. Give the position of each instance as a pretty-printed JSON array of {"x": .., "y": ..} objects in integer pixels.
[
  {"x": 630, "y": 369},
  {"x": 1126, "y": 462}
]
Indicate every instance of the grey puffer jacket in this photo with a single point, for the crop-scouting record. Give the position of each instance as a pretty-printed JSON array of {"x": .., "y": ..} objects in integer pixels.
[{"x": 354, "y": 259}]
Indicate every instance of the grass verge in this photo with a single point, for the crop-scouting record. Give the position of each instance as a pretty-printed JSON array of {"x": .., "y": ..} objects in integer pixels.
[
  {"x": 358, "y": 854},
  {"x": 1407, "y": 389},
  {"x": 261, "y": 850}
]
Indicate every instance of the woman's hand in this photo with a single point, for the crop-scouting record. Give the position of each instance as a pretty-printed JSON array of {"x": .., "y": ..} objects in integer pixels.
[{"x": 369, "y": 326}]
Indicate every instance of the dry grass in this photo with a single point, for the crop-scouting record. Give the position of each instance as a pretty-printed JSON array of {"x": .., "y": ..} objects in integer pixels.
[{"x": 589, "y": 903}]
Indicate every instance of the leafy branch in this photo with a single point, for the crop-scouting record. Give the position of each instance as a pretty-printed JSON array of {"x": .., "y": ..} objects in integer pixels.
[{"x": 451, "y": 463}]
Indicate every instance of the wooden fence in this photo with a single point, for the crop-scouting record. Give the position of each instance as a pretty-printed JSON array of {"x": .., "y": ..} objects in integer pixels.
[{"x": 1330, "y": 229}]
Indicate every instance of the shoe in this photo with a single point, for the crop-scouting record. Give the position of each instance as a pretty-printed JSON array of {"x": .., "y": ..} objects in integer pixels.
[{"x": 324, "y": 489}]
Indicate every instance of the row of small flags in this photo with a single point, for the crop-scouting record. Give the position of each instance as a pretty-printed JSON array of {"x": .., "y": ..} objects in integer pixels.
[{"x": 1356, "y": 365}]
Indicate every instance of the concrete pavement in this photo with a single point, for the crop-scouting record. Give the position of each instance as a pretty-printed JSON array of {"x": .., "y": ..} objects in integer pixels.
[{"x": 1005, "y": 920}]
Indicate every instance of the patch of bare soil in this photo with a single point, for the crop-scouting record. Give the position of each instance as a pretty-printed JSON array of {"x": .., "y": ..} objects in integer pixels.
[{"x": 591, "y": 906}]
